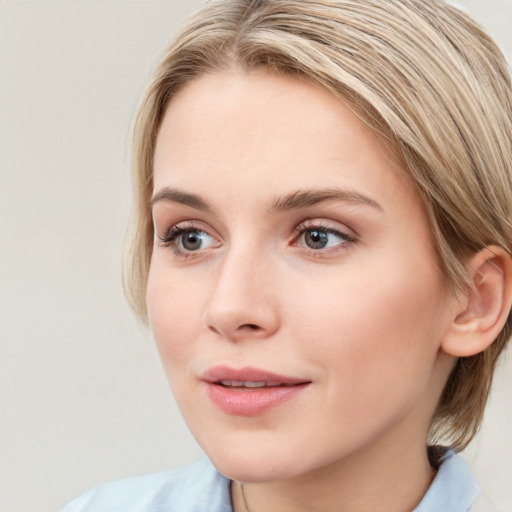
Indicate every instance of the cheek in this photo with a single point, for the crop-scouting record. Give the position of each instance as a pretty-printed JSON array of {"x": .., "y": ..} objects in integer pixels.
[
  {"x": 372, "y": 333},
  {"x": 175, "y": 309}
]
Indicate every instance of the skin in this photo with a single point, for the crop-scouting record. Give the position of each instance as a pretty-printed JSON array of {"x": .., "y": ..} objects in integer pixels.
[{"x": 362, "y": 319}]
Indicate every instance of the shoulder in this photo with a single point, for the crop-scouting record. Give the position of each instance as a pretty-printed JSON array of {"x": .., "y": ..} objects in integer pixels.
[{"x": 193, "y": 488}]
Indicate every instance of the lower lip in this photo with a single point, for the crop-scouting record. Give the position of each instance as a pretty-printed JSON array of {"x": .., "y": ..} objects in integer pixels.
[{"x": 251, "y": 401}]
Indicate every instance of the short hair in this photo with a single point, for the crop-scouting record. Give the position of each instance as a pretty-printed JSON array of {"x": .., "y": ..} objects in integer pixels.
[{"x": 423, "y": 75}]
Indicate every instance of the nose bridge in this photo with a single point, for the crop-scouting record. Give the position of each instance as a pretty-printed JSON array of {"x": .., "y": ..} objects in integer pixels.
[{"x": 243, "y": 302}]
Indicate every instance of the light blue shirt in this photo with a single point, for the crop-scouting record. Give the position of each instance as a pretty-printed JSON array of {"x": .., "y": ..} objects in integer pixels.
[{"x": 199, "y": 487}]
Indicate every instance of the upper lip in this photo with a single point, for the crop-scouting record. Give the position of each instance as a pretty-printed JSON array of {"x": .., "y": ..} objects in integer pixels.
[{"x": 248, "y": 374}]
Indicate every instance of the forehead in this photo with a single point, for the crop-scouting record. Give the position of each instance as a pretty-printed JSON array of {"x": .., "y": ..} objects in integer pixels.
[{"x": 260, "y": 133}]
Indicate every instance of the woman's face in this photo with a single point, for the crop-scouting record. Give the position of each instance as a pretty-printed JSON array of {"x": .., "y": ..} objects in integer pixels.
[{"x": 293, "y": 291}]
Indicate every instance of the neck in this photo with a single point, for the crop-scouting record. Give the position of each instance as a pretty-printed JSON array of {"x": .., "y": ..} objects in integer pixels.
[{"x": 393, "y": 481}]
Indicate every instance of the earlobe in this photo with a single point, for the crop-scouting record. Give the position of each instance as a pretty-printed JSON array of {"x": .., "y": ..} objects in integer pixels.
[{"x": 485, "y": 306}]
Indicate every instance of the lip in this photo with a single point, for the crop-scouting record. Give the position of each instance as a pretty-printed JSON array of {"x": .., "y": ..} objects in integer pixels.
[{"x": 223, "y": 389}]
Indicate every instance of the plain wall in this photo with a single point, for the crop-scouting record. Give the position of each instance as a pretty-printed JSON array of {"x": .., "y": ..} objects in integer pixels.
[{"x": 83, "y": 397}]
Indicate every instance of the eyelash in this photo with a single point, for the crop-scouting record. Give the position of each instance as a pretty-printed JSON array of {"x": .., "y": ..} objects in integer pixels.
[{"x": 172, "y": 236}]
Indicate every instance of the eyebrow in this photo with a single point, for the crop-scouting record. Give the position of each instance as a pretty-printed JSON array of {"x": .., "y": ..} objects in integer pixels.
[
  {"x": 179, "y": 196},
  {"x": 305, "y": 198},
  {"x": 294, "y": 201}
]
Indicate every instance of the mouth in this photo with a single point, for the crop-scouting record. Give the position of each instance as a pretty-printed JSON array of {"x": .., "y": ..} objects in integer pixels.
[
  {"x": 248, "y": 377},
  {"x": 248, "y": 385},
  {"x": 249, "y": 391}
]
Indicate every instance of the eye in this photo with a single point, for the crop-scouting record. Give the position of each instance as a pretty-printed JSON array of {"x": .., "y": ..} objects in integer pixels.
[
  {"x": 321, "y": 238},
  {"x": 185, "y": 240},
  {"x": 194, "y": 240}
]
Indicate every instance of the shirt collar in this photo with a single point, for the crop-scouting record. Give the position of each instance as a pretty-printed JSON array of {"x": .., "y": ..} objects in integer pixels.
[{"x": 454, "y": 488}]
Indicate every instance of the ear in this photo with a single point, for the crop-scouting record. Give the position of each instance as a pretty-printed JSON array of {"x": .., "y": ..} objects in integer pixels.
[{"x": 484, "y": 308}]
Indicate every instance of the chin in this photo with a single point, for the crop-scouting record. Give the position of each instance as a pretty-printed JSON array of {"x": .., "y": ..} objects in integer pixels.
[
  {"x": 240, "y": 467},
  {"x": 261, "y": 458},
  {"x": 252, "y": 458}
]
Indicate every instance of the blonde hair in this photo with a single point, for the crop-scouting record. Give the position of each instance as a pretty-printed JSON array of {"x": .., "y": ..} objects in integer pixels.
[{"x": 422, "y": 74}]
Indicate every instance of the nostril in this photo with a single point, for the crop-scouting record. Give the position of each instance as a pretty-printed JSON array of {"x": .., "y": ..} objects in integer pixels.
[{"x": 253, "y": 327}]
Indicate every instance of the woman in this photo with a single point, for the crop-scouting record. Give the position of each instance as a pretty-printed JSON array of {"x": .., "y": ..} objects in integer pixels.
[{"x": 322, "y": 248}]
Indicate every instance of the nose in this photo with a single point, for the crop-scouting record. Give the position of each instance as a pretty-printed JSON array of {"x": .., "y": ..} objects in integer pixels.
[{"x": 244, "y": 301}]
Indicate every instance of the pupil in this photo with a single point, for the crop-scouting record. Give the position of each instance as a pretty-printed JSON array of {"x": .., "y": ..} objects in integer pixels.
[
  {"x": 316, "y": 239},
  {"x": 191, "y": 241}
]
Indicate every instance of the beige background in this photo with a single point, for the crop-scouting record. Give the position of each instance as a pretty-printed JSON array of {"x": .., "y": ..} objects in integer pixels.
[{"x": 83, "y": 398}]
